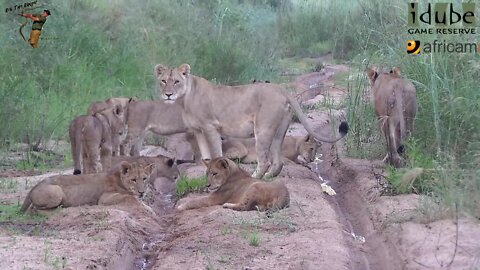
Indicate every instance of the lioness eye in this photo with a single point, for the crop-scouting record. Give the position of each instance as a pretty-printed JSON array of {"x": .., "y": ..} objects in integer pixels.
[
  {"x": 164, "y": 82},
  {"x": 134, "y": 180},
  {"x": 176, "y": 81},
  {"x": 144, "y": 178},
  {"x": 214, "y": 174}
]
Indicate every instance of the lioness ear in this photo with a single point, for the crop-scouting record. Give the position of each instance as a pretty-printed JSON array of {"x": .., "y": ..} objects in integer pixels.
[
  {"x": 307, "y": 138},
  {"x": 396, "y": 71},
  {"x": 125, "y": 167},
  {"x": 159, "y": 69},
  {"x": 372, "y": 75},
  {"x": 132, "y": 99},
  {"x": 184, "y": 69}
]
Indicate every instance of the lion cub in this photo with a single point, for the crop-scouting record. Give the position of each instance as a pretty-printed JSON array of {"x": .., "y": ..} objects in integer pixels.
[
  {"x": 119, "y": 184},
  {"x": 234, "y": 188}
]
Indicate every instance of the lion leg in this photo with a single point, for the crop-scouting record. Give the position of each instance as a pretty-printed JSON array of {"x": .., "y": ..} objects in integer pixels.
[
  {"x": 214, "y": 141},
  {"x": 112, "y": 198},
  {"x": 263, "y": 140},
  {"x": 200, "y": 202},
  {"x": 47, "y": 196},
  {"x": 235, "y": 150},
  {"x": 276, "y": 148},
  {"x": 203, "y": 145},
  {"x": 106, "y": 156}
]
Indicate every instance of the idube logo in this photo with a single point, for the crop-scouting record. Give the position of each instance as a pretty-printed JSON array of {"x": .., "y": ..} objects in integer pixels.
[{"x": 413, "y": 46}]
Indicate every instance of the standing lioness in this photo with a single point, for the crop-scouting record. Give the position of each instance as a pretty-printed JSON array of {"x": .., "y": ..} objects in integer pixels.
[
  {"x": 260, "y": 110},
  {"x": 234, "y": 188},
  {"x": 396, "y": 107},
  {"x": 89, "y": 189}
]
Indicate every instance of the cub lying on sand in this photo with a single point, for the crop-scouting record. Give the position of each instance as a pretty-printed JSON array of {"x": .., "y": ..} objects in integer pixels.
[
  {"x": 260, "y": 110},
  {"x": 234, "y": 188},
  {"x": 91, "y": 138},
  {"x": 299, "y": 149},
  {"x": 396, "y": 107},
  {"x": 163, "y": 166},
  {"x": 121, "y": 183}
]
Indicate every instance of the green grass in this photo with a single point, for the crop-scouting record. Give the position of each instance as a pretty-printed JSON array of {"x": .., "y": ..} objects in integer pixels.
[
  {"x": 185, "y": 185},
  {"x": 8, "y": 185},
  {"x": 254, "y": 239},
  {"x": 11, "y": 213}
]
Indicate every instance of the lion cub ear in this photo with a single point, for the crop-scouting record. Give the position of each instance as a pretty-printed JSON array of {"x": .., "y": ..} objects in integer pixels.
[
  {"x": 170, "y": 162},
  {"x": 159, "y": 70},
  {"x": 118, "y": 109},
  {"x": 396, "y": 71},
  {"x": 372, "y": 75},
  {"x": 149, "y": 168},
  {"x": 224, "y": 163},
  {"x": 308, "y": 138},
  {"x": 184, "y": 69},
  {"x": 206, "y": 162},
  {"x": 125, "y": 167}
]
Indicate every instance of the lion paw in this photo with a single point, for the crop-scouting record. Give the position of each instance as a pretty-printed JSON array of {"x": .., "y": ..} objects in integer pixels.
[
  {"x": 228, "y": 205},
  {"x": 182, "y": 207}
]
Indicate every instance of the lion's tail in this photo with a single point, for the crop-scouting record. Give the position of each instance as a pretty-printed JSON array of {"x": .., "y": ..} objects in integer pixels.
[
  {"x": 342, "y": 129},
  {"x": 28, "y": 202},
  {"x": 76, "y": 146}
]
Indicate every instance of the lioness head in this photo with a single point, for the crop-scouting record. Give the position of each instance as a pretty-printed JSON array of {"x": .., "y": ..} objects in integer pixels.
[
  {"x": 133, "y": 177},
  {"x": 173, "y": 81},
  {"x": 308, "y": 149},
  {"x": 218, "y": 172}
]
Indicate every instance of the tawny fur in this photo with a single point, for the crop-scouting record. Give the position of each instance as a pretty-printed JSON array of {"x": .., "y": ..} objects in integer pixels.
[
  {"x": 234, "y": 188},
  {"x": 298, "y": 149},
  {"x": 260, "y": 110},
  {"x": 163, "y": 166},
  {"x": 91, "y": 138},
  {"x": 122, "y": 182},
  {"x": 396, "y": 107}
]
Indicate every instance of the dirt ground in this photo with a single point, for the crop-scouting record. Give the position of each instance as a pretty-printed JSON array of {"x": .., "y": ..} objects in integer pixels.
[{"x": 358, "y": 228}]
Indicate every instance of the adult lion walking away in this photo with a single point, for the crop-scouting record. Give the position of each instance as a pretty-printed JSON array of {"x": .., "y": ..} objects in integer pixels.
[
  {"x": 396, "y": 107},
  {"x": 260, "y": 110}
]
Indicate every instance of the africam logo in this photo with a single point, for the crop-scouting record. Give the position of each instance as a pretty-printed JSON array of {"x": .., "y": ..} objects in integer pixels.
[{"x": 39, "y": 18}]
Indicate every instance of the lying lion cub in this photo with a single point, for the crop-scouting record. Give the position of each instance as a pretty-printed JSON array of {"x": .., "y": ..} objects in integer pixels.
[
  {"x": 299, "y": 149},
  {"x": 234, "y": 188},
  {"x": 163, "y": 166},
  {"x": 113, "y": 187}
]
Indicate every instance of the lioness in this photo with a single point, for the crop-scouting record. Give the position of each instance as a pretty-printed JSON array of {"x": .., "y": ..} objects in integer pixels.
[
  {"x": 91, "y": 139},
  {"x": 163, "y": 166},
  {"x": 396, "y": 106},
  {"x": 234, "y": 188},
  {"x": 119, "y": 136},
  {"x": 121, "y": 182},
  {"x": 262, "y": 110},
  {"x": 299, "y": 149},
  {"x": 156, "y": 116}
]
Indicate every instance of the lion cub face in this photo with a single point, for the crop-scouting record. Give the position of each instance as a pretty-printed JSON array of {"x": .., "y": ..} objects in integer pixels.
[
  {"x": 134, "y": 177},
  {"x": 173, "y": 81},
  {"x": 218, "y": 171},
  {"x": 308, "y": 149}
]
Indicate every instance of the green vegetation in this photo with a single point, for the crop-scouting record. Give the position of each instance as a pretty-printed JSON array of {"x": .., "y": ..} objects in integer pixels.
[
  {"x": 108, "y": 48},
  {"x": 11, "y": 213},
  {"x": 254, "y": 239},
  {"x": 185, "y": 185}
]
